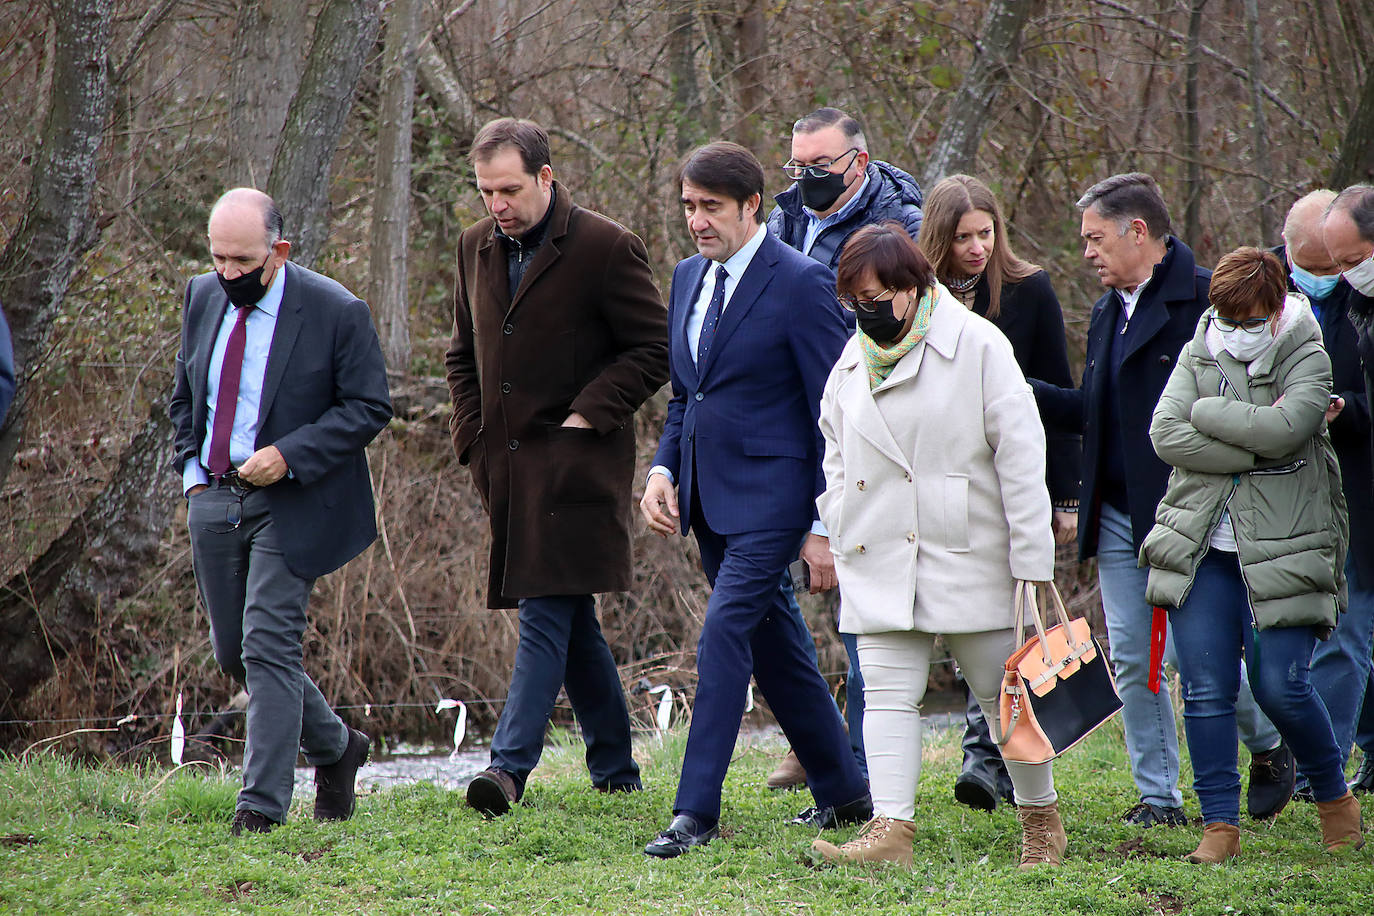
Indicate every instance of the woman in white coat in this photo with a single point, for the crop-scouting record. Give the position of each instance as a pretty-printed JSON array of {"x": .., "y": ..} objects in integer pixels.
[{"x": 936, "y": 505}]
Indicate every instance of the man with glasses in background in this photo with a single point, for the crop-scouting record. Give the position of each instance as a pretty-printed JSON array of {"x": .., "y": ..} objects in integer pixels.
[
  {"x": 837, "y": 190},
  {"x": 280, "y": 384}
]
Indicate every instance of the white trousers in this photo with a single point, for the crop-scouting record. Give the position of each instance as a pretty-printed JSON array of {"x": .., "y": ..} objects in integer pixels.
[{"x": 895, "y": 668}]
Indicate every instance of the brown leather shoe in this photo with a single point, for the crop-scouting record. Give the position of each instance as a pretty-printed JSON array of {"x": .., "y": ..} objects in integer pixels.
[
  {"x": 1042, "y": 836},
  {"x": 789, "y": 774},
  {"x": 1219, "y": 843},
  {"x": 880, "y": 840},
  {"x": 492, "y": 792},
  {"x": 1342, "y": 824}
]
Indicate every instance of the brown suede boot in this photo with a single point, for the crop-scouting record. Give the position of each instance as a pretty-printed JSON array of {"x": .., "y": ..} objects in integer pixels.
[
  {"x": 789, "y": 774},
  {"x": 880, "y": 840},
  {"x": 1342, "y": 825},
  {"x": 1042, "y": 836},
  {"x": 1219, "y": 843}
]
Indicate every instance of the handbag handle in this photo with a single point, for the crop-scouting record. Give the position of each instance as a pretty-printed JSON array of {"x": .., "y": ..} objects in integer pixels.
[{"x": 1026, "y": 596}]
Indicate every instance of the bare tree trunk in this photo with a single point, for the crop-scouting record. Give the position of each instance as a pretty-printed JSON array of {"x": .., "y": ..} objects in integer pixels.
[
  {"x": 447, "y": 94},
  {"x": 50, "y": 609},
  {"x": 58, "y": 227},
  {"x": 1355, "y": 162},
  {"x": 391, "y": 202},
  {"x": 956, "y": 147},
  {"x": 1263, "y": 196},
  {"x": 344, "y": 35},
  {"x": 268, "y": 57},
  {"x": 1192, "y": 130},
  {"x": 683, "y": 67},
  {"x": 751, "y": 77}
]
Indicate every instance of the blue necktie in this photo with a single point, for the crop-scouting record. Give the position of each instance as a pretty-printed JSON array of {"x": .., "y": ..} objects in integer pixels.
[{"x": 712, "y": 318}]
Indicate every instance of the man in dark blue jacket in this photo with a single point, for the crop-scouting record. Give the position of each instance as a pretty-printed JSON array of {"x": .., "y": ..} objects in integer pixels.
[
  {"x": 6, "y": 368},
  {"x": 1155, "y": 294},
  {"x": 754, "y": 328},
  {"x": 838, "y": 189},
  {"x": 1341, "y": 664},
  {"x": 1348, "y": 234}
]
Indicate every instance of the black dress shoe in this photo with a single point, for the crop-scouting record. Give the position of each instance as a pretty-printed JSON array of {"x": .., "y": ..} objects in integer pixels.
[
  {"x": 972, "y": 790},
  {"x": 682, "y": 834},
  {"x": 1145, "y": 814},
  {"x": 335, "y": 789},
  {"x": 246, "y": 821},
  {"x": 620, "y": 788},
  {"x": 826, "y": 817},
  {"x": 492, "y": 792},
  {"x": 1364, "y": 776},
  {"x": 1273, "y": 774}
]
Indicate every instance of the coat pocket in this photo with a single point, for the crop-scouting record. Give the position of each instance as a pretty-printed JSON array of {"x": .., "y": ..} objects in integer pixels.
[{"x": 956, "y": 513}]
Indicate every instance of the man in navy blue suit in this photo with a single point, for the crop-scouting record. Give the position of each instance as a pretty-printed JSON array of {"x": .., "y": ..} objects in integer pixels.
[{"x": 754, "y": 328}]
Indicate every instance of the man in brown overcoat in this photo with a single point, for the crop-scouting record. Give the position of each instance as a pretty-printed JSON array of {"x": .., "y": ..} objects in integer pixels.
[{"x": 559, "y": 334}]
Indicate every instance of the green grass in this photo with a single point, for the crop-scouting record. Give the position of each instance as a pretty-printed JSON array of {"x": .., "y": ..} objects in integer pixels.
[{"x": 142, "y": 841}]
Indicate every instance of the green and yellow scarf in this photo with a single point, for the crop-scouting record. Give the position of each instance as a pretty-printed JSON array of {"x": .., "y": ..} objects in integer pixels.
[{"x": 879, "y": 359}]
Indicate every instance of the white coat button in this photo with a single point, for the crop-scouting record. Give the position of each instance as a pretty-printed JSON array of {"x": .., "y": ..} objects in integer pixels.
[
  {"x": 861, "y": 485},
  {"x": 911, "y": 537},
  {"x": 861, "y": 549}
]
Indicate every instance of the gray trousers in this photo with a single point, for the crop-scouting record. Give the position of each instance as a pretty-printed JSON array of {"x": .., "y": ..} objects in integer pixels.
[{"x": 256, "y": 607}]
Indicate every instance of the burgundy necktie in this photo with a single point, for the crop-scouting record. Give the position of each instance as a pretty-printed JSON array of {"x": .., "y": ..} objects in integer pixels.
[{"x": 228, "y": 397}]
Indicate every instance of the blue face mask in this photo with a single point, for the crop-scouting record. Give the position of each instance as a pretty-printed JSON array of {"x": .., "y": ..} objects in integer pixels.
[{"x": 1313, "y": 286}]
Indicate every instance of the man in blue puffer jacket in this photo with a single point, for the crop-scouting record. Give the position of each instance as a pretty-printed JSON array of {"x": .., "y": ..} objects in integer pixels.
[{"x": 838, "y": 189}]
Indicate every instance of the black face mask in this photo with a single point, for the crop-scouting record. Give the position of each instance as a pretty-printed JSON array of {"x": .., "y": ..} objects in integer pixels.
[
  {"x": 245, "y": 289},
  {"x": 881, "y": 325},
  {"x": 821, "y": 193}
]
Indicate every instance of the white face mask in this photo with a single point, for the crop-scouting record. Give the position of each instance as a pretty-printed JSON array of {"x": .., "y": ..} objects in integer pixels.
[
  {"x": 1361, "y": 276},
  {"x": 1245, "y": 346}
]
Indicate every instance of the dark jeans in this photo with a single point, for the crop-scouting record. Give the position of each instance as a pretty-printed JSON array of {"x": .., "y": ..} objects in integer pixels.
[
  {"x": 257, "y": 621},
  {"x": 561, "y": 646},
  {"x": 1341, "y": 663},
  {"x": 854, "y": 679},
  {"x": 1212, "y": 630}
]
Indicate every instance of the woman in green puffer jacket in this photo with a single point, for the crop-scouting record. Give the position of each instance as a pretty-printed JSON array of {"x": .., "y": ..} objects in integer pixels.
[{"x": 1249, "y": 541}]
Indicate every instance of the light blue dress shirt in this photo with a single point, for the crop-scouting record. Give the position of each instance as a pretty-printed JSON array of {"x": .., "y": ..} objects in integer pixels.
[
  {"x": 814, "y": 223},
  {"x": 262, "y": 321}
]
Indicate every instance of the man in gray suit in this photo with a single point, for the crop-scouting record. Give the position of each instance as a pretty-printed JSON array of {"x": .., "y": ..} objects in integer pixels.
[{"x": 280, "y": 384}]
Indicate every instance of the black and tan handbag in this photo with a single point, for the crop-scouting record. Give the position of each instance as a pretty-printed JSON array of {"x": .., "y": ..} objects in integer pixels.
[{"x": 1056, "y": 688}]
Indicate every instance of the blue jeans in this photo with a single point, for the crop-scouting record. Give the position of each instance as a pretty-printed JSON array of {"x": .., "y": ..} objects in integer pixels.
[
  {"x": 1151, "y": 736},
  {"x": 1213, "y": 628},
  {"x": 561, "y": 646},
  {"x": 854, "y": 680},
  {"x": 1341, "y": 664}
]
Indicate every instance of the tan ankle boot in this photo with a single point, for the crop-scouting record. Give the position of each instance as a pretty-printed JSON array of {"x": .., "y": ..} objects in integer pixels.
[
  {"x": 1219, "y": 843},
  {"x": 789, "y": 774},
  {"x": 1042, "y": 836},
  {"x": 880, "y": 840},
  {"x": 1342, "y": 826}
]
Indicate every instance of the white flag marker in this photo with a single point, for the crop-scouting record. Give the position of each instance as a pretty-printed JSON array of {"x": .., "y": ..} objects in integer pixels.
[
  {"x": 178, "y": 734},
  {"x": 460, "y": 727},
  {"x": 749, "y": 698},
  {"x": 665, "y": 706}
]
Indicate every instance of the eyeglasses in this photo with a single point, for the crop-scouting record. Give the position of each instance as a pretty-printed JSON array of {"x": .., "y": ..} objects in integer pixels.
[
  {"x": 795, "y": 170},
  {"x": 867, "y": 306},
  {"x": 1248, "y": 325}
]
